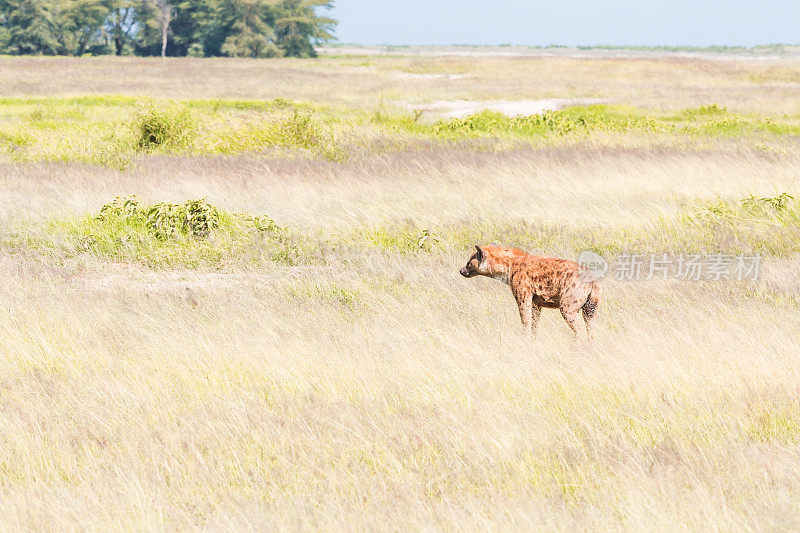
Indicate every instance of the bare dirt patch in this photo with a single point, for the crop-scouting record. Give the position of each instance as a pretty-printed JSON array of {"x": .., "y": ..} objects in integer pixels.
[
  {"x": 463, "y": 108},
  {"x": 424, "y": 76}
]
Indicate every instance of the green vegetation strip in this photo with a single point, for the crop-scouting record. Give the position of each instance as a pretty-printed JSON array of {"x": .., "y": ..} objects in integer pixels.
[
  {"x": 711, "y": 120},
  {"x": 754, "y": 225},
  {"x": 197, "y": 234},
  {"x": 115, "y": 130}
]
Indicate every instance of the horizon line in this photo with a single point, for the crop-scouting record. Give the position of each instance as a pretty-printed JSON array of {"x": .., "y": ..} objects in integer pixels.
[{"x": 553, "y": 45}]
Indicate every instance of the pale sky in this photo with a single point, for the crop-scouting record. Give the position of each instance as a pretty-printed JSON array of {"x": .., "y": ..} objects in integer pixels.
[{"x": 569, "y": 22}]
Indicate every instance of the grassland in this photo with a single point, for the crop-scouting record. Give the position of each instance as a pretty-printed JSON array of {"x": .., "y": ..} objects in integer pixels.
[{"x": 298, "y": 350}]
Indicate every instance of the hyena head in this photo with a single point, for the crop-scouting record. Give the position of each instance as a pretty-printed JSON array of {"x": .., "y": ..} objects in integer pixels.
[{"x": 477, "y": 265}]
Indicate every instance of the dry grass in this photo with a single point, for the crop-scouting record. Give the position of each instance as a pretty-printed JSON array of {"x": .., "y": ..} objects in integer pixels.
[
  {"x": 370, "y": 386},
  {"x": 277, "y": 400},
  {"x": 770, "y": 86}
]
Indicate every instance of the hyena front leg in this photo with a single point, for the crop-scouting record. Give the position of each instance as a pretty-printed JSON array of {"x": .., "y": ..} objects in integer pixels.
[
  {"x": 536, "y": 312},
  {"x": 526, "y": 312}
]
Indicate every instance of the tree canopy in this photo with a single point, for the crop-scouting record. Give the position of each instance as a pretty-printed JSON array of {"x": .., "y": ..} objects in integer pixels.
[{"x": 234, "y": 28}]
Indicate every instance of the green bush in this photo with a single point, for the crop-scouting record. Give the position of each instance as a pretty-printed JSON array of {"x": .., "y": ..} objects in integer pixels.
[
  {"x": 767, "y": 225},
  {"x": 193, "y": 233},
  {"x": 296, "y": 130},
  {"x": 780, "y": 203},
  {"x": 712, "y": 110},
  {"x": 195, "y": 218},
  {"x": 164, "y": 126}
]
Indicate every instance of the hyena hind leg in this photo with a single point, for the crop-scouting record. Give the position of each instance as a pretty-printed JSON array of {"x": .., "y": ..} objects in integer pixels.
[{"x": 571, "y": 318}]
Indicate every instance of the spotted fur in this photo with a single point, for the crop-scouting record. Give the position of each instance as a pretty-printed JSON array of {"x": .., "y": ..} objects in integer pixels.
[{"x": 539, "y": 281}]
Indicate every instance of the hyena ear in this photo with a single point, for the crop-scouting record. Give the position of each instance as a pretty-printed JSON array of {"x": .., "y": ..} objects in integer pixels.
[{"x": 480, "y": 252}]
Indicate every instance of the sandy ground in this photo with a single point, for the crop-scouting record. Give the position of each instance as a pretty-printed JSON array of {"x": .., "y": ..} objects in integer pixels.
[{"x": 463, "y": 108}]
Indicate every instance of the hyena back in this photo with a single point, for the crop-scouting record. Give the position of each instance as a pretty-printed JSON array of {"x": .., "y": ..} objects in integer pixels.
[{"x": 539, "y": 281}]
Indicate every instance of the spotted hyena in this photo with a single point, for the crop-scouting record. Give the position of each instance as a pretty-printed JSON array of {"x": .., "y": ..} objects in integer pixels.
[{"x": 539, "y": 281}]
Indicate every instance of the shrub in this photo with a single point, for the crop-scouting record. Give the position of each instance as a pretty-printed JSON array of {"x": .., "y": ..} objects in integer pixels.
[
  {"x": 195, "y": 218},
  {"x": 163, "y": 126},
  {"x": 296, "y": 130},
  {"x": 193, "y": 233},
  {"x": 712, "y": 110},
  {"x": 775, "y": 209},
  {"x": 779, "y": 203},
  {"x": 301, "y": 131},
  {"x": 428, "y": 240},
  {"x": 767, "y": 225}
]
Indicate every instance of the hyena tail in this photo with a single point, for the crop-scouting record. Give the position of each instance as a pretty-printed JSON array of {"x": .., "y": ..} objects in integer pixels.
[{"x": 592, "y": 301}]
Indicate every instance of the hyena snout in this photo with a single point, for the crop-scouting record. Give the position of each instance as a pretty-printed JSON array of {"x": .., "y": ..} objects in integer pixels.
[{"x": 468, "y": 272}]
